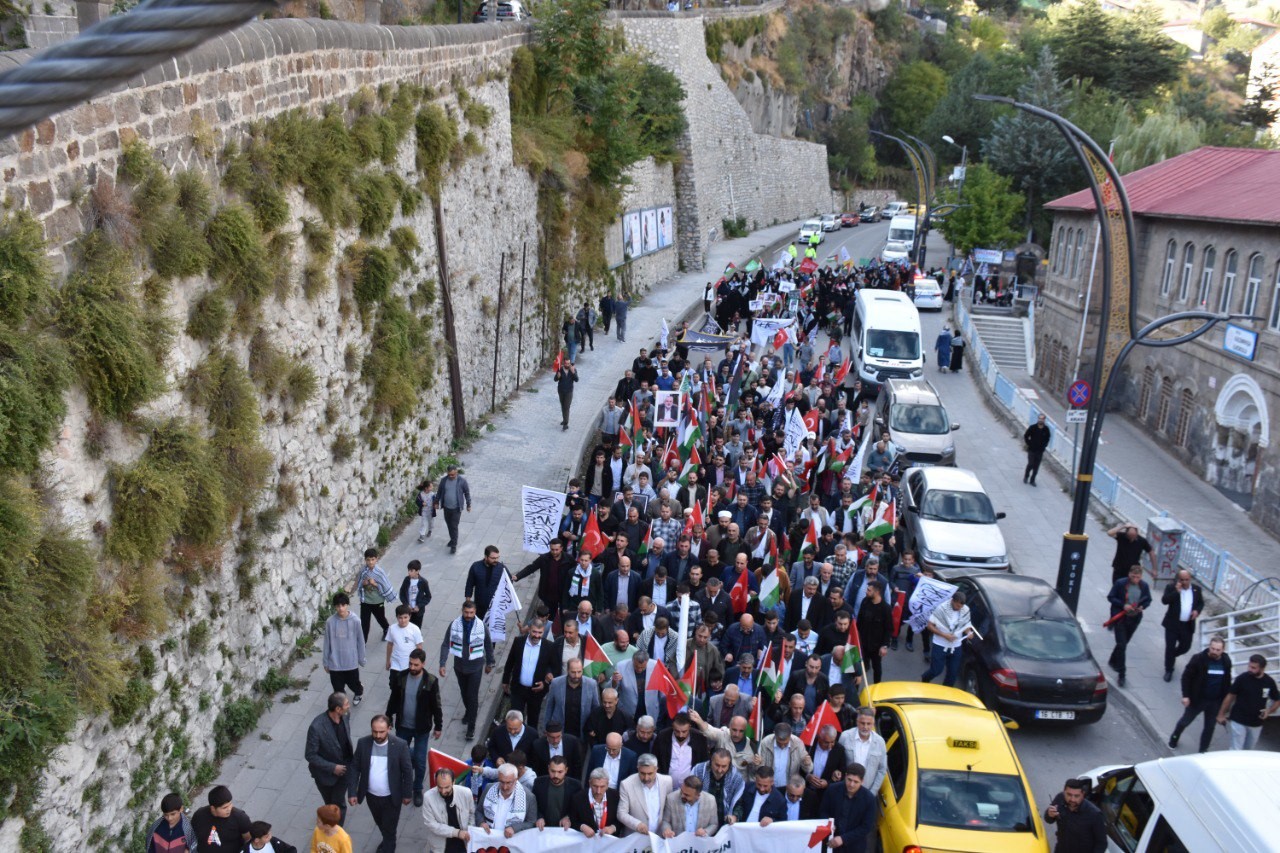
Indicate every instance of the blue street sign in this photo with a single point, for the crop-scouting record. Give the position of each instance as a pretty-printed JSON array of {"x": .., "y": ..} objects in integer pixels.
[{"x": 1079, "y": 393}]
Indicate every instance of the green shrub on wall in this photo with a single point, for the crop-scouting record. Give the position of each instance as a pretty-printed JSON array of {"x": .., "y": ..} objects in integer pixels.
[{"x": 399, "y": 364}]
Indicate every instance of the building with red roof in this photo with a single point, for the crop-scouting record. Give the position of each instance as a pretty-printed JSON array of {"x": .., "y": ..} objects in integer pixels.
[{"x": 1207, "y": 235}]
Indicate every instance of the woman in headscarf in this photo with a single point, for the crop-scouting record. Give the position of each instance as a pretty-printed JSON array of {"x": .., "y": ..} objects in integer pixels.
[{"x": 942, "y": 347}]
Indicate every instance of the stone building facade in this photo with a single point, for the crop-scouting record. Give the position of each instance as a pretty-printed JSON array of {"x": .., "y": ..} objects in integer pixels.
[{"x": 1206, "y": 239}]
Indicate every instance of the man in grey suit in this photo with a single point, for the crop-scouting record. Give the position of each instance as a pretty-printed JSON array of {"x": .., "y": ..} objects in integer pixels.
[
  {"x": 571, "y": 699},
  {"x": 641, "y": 797},
  {"x": 729, "y": 704},
  {"x": 864, "y": 746},
  {"x": 689, "y": 810},
  {"x": 631, "y": 683},
  {"x": 387, "y": 784},
  {"x": 329, "y": 752}
]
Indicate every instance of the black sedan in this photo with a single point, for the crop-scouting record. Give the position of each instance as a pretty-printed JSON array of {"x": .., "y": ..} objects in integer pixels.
[
  {"x": 1032, "y": 662},
  {"x": 870, "y": 214}
]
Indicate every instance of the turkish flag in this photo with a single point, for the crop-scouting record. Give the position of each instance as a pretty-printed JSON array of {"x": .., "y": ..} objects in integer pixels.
[
  {"x": 808, "y": 265},
  {"x": 780, "y": 339},
  {"x": 665, "y": 683},
  {"x": 824, "y": 716},
  {"x": 811, "y": 419},
  {"x": 740, "y": 595},
  {"x": 593, "y": 541},
  {"x": 559, "y": 362}
]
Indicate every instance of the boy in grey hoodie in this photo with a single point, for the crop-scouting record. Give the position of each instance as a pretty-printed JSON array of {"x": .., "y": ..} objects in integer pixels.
[{"x": 344, "y": 648}]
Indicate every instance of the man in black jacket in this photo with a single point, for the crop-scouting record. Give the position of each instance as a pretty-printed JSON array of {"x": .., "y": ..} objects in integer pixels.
[
  {"x": 556, "y": 742},
  {"x": 415, "y": 709},
  {"x": 875, "y": 626},
  {"x": 1036, "y": 439},
  {"x": 393, "y": 774},
  {"x": 1205, "y": 682},
  {"x": 509, "y": 736},
  {"x": 1184, "y": 601},
  {"x": 530, "y": 667},
  {"x": 554, "y": 793},
  {"x": 1081, "y": 828},
  {"x": 483, "y": 579},
  {"x": 553, "y": 569},
  {"x": 329, "y": 752}
]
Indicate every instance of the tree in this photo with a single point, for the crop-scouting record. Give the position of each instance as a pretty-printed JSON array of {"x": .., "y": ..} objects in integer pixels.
[
  {"x": 1029, "y": 149},
  {"x": 962, "y": 118},
  {"x": 990, "y": 213},
  {"x": 850, "y": 155},
  {"x": 1128, "y": 54},
  {"x": 912, "y": 93},
  {"x": 1158, "y": 136}
]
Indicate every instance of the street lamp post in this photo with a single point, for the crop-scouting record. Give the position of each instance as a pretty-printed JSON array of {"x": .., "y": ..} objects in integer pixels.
[
  {"x": 922, "y": 189},
  {"x": 964, "y": 162},
  {"x": 1115, "y": 236}
]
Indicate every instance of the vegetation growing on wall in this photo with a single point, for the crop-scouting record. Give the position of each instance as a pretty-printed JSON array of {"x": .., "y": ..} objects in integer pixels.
[{"x": 583, "y": 109}]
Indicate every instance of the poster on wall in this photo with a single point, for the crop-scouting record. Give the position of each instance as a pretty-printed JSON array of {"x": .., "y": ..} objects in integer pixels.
[
  {"x": 664, "y": 227},
  {"x": 631, "y": 244},
  {"x": 649, "y": 229}
]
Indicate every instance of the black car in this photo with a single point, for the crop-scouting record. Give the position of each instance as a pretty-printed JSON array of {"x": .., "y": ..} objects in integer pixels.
[
  {"x": 1032, "y": 662},
  {"x": 870, "y": 214}
]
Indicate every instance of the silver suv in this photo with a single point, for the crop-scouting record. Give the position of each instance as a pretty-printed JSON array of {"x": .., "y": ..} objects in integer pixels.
[{"x": 917, "y": 422}]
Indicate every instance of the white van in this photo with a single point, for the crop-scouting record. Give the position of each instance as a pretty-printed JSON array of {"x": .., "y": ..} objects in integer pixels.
[
  {"x": 902, "y": 238},
  {"x": 893, "y": 208},
  {"x": 1218, "y": 801},
  {"x": 886, "y": 337}
]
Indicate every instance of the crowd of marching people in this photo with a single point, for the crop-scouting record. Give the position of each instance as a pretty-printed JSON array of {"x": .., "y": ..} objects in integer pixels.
[{"x": 728, "y": 577}]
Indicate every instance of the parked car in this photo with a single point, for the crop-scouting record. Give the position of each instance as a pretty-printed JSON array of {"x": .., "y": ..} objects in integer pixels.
[
  {"x": 830, "y": 222},
  {"x": 809, "y": 228},
  {"x": 508, "y": 10},
  {"x": 893, "y": 208},
  {"x": 870, "y": 214},
  {"x": 949, "y": 520},
  {"x": 1032, "y": 662},
  {"x": 928, "y": 294},
  {"x": 953, "y": 780},
  {"x": 849, "y": 220}
]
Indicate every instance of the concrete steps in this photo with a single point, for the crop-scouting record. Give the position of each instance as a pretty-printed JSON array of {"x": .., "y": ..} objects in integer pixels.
[{"x": 1005, "y": 338}]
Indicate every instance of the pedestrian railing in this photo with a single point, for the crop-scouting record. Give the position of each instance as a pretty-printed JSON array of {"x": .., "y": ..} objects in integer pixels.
[
  {"x": 1251, "y": 631},
  {"x": 1212, "y": 565}
]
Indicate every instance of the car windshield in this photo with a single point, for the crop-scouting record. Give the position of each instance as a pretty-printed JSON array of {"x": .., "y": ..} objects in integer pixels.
[
  {"x": 967, "y": 800},
  {"x": 958, "y": 507},
  {"x": 900, "y": 234},
  {"x": 920, "y": 420},
  {"x": 887, "y": 343},
  {"x": 1043, "y": 639}
]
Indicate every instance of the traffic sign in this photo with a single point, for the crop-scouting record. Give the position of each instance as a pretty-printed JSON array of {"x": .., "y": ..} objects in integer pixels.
[
  {"x": 1077, "y": 416},
  {"x": 1079, "y": 393}
]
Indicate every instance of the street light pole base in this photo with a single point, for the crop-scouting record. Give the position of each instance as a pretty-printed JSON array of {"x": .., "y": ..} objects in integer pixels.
[{"x": 1071, "y": 568}]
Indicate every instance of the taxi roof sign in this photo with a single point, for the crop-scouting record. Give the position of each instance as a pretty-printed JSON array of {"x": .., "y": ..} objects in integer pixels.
[{"x": 962, "y": 743}]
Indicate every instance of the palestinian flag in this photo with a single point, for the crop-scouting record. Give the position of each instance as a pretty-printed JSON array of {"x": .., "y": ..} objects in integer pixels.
[
  {"x": 854, "y": 639},
  {"x": 593, "y": 541},
  {"x": 824, "y": 716},
  {"x": 852, "y": 659},
  {"x": 752, "y": 265},
  {"x": 693, "y": 462},
  {"x": 437, "y": 760},
  {"x": 755, "y": 719},
  {"x": 886, "y": 517},
  {"x": 837, "y": 461},
  {"x": 688, "y": 683},
  {"x": 690, "y": 435},
  {"x": 730, "y": 270},
  {"x": 771, "y": 589},
  {"x": 740, "y": 595},
  {"x": 810, "y": 538},
  {"x": 643, "y": 550},
  {"x": 768, "y": 547},
  {"x": 625, "y": 440},
  {"x": 769, "y": 680},
  {"x": 594, "y": 661}
]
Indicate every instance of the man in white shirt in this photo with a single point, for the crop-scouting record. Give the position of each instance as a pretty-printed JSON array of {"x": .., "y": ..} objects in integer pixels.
[
  {"x": 794, "y": 797},
  {"x": 508, "y": 806},
  {"x": 950, "y": 624},
  {"x": 641, "y": 797},
  {"x": 865, "y": 746},
  {"x": 402, "y": 638}
]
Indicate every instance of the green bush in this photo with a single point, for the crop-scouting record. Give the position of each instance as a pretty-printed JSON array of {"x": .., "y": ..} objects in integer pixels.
[
  {"x": 239, "y": 256},
  {"x": 376, "y": 200},
  {"x": 436, "y": 133},
  {"x": 226, "y": 392},
  {"x": 236, "y": 719},
  {"x": 270, "y": 207},
  {"x": 33, "y": 377},
  {"x": 477, "y": 114},
  {"x": 375, "y": 271},
  {"x": 302, "y": 384},
  {"x": 137, "y": 694},
  {"x": 318, "y": 237},
  {"x": 398, "y": 364},
  {"x": 268, "y": 364},
  {"x": 193, "y": 198},
  {"x": 405, "y": 243},
  {"x": 148, "y": 502},
  {"x": 209, "y": 317},
  {"x": 24, "y": 270},
  {"x": 107, "y": 331}
]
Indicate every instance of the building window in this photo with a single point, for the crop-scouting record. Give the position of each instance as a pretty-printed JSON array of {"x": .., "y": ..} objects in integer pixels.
[
  {"x": 1069, "y": 261},
  {"x": 1075, "y": 261},
  {"x": 1188, "y": 264},
  {"x": 1185, "y": 402},
  {"x": 1166, "y": 401},
  {"x": 1252, "y": 285},
  {"x": 1228, "y": 281},
  {"x": 1206, "y": 276},
  {"x": 1274, "y": 325},
  {"x": 1171, "y": 259},
  {"x": 1057, "y": 250},
  {"x": 1144, "y": 397}
]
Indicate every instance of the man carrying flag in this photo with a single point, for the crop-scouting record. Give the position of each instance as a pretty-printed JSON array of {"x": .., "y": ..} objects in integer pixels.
[
  {"x": 823, "y": 716},
  {"x": 665, "y": 683}
]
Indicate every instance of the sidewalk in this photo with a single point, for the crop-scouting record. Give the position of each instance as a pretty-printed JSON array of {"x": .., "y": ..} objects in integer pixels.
[
  {"x": 267, "y": 773},
  {"x": 1036, "y": 519}
]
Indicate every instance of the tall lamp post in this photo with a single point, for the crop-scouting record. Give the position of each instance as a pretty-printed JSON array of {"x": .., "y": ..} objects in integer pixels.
[
  {"x": 964, "y": 164},
  {"x": 1117, "y": 325},
  {"x": 922, "y": 188}
]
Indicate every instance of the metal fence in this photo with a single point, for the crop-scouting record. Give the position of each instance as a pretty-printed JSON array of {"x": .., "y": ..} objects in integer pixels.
[{"x": 1209, "y": 562}]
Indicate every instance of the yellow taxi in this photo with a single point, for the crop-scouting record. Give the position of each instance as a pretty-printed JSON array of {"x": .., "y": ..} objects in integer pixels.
[
  {"x": 953, "y": 781},
  {"x": 920, "y": 210}
]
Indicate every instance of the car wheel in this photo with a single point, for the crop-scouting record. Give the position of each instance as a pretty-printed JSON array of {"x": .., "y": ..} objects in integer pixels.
[{"x": 973, "y": 684}]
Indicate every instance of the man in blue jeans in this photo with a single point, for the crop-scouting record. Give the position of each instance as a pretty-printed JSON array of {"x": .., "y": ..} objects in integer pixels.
[
  {"x": 415, "y": 709},
  {"x": 950, "y": 624}
]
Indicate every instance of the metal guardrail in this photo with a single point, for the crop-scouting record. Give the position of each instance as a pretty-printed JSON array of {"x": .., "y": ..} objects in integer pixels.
[
  {"x": 1251, "y": 631},
  {"x": 1213, "y": 565}
]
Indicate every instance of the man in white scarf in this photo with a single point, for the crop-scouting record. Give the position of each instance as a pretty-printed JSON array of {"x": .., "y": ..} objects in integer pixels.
[{"x": 507, "y": 806}]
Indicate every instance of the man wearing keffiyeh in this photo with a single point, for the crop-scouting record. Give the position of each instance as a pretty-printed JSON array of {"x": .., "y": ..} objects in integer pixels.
[{"x": 507, "y": 806}]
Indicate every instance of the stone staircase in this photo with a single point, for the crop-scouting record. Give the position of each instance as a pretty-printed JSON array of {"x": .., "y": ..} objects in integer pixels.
[{"x": 1005, "y": 338}]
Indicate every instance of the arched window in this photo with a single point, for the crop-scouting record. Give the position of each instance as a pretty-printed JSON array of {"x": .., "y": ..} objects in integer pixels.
[
  {"x": 1228, "y": 280},
  {"x": 1206, "y": 276},
  {"x": 1170, "y": 260},
  {"x": 1075, "y": 261},
  {"x": 1185, "y": 401},
  {"x": 1166, "y": 401},
  {"x": 1252, "y": 285},
  {"x": 1274, "y": 325},
  {"x": 1144, "y": 397},
  {"x": 1068, "y": 261},
  {"x": 1188, "y": 264},
  {"x": 1057, "y": 250}
]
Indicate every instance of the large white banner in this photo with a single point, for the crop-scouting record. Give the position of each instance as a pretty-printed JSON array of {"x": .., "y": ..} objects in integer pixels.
[
  {"x": 796, "y": 431},
  {"x": 541, "y": 510},
  {"x": 505, "y": 601},
  {"x": 928, "y": 594},
  {"x": 764, "y": 328},
  {"x": 799, "y": 836}
]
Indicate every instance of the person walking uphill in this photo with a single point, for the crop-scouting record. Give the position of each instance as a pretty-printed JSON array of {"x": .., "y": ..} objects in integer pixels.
[
  {"x": 483, "y": 579},
  {"x": 942, "y": 348},
  {"x": 620, "y": 316},
  {"x": 1129, "y": 597},
  {"x": 1036, "y": 438},
  {"x": 344, "y": 650},
  {"x": 373, "y": 588},
  {"x": 452, "y": 494},
  {"x": 467, "y": 641},
  {"x": 957, "y": 352},
  {"x": 565, "y": 378}
]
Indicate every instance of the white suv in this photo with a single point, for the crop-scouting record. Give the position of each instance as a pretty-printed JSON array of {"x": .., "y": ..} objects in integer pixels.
[
  {"x": 811, "y": 227},
  {"x": 830, "y": 222},
  {"x": 950, "y": 522}
]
